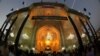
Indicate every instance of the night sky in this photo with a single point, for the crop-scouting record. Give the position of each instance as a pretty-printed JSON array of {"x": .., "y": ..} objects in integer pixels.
[{"x": 92, "y": 6}]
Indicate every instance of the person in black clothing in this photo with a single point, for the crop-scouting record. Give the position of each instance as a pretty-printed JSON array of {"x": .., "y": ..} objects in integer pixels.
[{"x": 31, "y": 53}]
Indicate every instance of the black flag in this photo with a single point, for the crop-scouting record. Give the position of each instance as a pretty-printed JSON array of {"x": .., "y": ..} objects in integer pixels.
[
  {"x": 85, "y": 9},
  {"x": 12, "y": 9},
  {"x": 89, "y": 13},
  {"x": 23, "y": 2}
]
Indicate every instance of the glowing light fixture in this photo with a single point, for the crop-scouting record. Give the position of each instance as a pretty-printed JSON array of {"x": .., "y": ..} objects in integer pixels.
[
  {"x": 63, "y": 48},
  {"x": 83, "y": 35},
  {"x": 71, "y": 36},
  {"x": 13, "y": 43},
  {"x": 12, "y": 34},
  {"x": 74, "y": 46},
  {"x": 48, "y": 38},
  {"x": 21, "y": 46},
  {"x": 25, "y": 36},
  {"x": 33, "y": 49}
]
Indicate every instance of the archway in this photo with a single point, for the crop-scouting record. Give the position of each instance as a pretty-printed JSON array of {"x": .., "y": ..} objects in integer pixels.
[{"x": 48, "y": 39}]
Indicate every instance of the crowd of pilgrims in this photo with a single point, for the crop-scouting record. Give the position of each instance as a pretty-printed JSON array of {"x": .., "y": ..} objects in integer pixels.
[{"x": 75, "y": 52}]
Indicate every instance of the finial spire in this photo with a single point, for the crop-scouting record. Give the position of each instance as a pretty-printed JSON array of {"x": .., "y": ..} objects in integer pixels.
[
  {"x": 73, "y": 3},
  {"x": 12, "y": 9}
]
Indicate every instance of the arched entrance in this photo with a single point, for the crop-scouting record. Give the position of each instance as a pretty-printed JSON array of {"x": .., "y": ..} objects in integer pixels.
[{"x": 48, "y": 39}]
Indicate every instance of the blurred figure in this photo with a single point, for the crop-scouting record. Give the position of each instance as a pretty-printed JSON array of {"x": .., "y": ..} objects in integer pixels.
[
  {"x": 11, "y": 51},
  {"x": 90, "y": 52}
]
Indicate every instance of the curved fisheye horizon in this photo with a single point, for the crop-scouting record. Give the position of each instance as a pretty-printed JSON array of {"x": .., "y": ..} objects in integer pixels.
[
  {"x": 6, "y": 6},
  {"x": 49, "y": 28}
]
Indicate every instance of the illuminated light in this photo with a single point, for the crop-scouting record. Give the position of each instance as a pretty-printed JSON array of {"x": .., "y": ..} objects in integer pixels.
[
  {"x": 33, "y": 49},
  {"x": 83, "y": 35},
  {"x": 21, "y": 46},
  {"x": 63, "y": 48},
  {"x": 47, "y": 42},
  {"x": 74, "y": 46},
  {"x": 25, "y": 36},
  {"x": 48, "y": 47},
  {"x": 48, "y": 38},
  {"x": 71, "y": 36},
  {"x": 13, "y": 43},
  {"x": 12, "y": 34}
]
